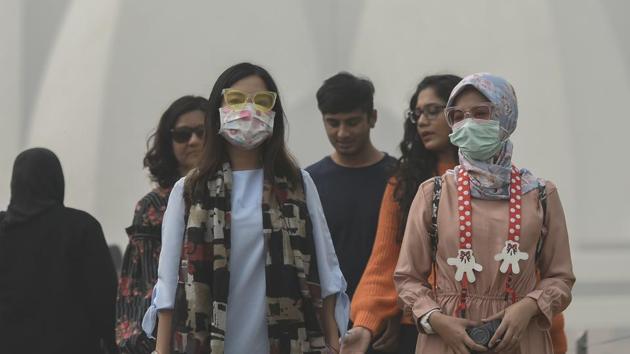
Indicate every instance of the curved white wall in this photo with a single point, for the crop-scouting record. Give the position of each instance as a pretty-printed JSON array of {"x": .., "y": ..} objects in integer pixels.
[
  {"x": 10, "y": 89},
  {"x": 68, "y": 113}
]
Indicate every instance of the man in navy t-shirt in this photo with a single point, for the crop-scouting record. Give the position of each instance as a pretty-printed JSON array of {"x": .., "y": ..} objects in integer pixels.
[{"x": 351, "y": 180}]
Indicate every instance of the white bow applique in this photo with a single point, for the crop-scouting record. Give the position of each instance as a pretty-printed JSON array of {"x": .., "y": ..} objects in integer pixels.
[
  {"x": 465, "y": 263},
  {"x": 510, "y": 255}
]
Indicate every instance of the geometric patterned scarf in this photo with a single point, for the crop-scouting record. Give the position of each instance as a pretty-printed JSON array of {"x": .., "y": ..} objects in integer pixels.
[{"x": 293, "y": 292}]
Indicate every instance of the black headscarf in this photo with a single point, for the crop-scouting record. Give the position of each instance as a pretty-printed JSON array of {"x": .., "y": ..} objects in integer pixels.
[{"x": 37, "y": 185}]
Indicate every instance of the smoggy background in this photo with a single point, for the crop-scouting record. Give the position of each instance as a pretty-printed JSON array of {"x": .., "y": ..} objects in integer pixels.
[{"x": 90, "y": 79}]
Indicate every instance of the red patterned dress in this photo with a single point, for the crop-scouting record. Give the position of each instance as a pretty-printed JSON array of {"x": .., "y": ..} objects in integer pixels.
[{"x": 139, "y": 272}]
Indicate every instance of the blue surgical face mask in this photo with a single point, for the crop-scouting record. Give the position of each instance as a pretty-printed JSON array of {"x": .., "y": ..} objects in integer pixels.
[{"x": 477, "y": 139}]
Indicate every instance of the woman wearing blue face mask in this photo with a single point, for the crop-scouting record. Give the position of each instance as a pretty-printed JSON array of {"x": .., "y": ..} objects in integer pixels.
[
  {"x": 487, "y": 228},
  {"x": 244, "y": 239}
]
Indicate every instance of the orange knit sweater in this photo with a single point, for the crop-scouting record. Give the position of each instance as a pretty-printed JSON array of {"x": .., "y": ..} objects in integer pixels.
[{"x": 375, "y": 298}]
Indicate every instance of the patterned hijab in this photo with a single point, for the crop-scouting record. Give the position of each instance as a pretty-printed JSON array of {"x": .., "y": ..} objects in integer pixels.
[{"x": 491, "y": 179}]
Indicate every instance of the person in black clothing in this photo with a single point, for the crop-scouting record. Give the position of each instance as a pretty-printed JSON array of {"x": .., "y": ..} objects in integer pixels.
[
  {"x": 351, "y": 180},
  {"x": 58, "y": 280}
]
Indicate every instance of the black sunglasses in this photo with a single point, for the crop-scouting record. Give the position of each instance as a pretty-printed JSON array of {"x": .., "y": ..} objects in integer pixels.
[{"x": 183, "y": 134}]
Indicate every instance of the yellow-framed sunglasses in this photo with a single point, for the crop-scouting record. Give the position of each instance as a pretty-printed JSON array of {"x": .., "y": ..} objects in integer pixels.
[{"x": 236, "y": 99}]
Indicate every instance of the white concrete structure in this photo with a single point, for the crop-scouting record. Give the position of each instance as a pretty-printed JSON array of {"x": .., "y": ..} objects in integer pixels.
[{"x": 90, "y": 80}]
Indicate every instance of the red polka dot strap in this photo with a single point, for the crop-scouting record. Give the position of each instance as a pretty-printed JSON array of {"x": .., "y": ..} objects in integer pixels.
[
  {"x": 510, "y": 255},
  {"x": 465, "y": 259}
]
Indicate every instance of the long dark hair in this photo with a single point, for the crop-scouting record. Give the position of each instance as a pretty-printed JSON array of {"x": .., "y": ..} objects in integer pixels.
[
  {"x": 160, "y": 158},
  {"x": 417, "y": 164},
  {"x": 277, "y": 161}
]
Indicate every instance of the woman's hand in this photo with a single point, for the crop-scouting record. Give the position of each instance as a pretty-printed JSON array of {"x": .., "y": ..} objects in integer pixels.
[
  {"x": 452, "y": 330},
  {"x": 356, "y": 341},
  {"x": 515, "y": 320}
]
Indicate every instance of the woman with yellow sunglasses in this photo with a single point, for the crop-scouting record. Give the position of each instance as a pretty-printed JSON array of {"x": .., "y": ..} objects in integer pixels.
[{"x": 245, "y": 241}]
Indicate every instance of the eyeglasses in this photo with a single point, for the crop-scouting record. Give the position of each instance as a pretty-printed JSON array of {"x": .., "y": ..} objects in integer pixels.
[
  {"x": 236, "y": 99},
  {"x": 183, "y": 134},
  {"x": 457, "y": 114},
  {"x": 430, "y": 110}
]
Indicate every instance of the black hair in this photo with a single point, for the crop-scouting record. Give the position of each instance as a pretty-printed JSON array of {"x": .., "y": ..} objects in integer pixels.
[
  {"x": 417, "y": 164},
  {"x": 277, "y": 161},
  {"x": 160, "y": 158},
  {"x": 344, "y": 92}
]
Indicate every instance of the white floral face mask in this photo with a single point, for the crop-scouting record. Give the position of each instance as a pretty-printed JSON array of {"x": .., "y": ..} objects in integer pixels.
[{"x": 246, "y": 128}]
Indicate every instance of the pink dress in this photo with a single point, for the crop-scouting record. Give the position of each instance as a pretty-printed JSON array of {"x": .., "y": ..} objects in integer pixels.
[{"x": 486, "y": 295}]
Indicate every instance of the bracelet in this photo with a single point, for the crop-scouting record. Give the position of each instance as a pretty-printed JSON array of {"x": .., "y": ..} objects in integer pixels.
[{"x": 424, "y": 321}]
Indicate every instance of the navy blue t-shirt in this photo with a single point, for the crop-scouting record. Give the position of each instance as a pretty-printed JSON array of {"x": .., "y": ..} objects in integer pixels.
[{"x": 351, "y": 198}]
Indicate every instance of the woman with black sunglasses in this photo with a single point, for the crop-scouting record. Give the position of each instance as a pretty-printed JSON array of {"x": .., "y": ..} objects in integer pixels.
[
  {"x": 247, "y": 265},
  {"x": 173, "y": 150}
]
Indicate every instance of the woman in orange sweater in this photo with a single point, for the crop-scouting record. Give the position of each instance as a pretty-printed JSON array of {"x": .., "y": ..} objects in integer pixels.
[{"x": 426, "y": 152}]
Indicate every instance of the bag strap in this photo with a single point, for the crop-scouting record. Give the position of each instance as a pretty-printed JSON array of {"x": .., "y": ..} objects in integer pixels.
[
  {"x": 437, "y": 191},
  {"x": 542, "y": 197},
  {"x": 433, "y": 234}
]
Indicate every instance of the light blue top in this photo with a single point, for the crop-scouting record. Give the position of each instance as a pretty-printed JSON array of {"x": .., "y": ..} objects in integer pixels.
[{"x": 246, "y": 313}]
